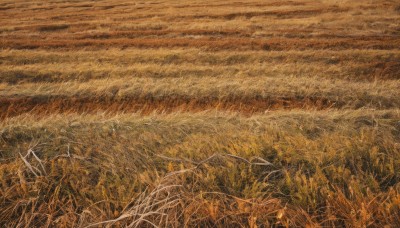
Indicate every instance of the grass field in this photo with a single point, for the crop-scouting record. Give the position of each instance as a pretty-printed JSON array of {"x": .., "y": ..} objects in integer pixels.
[{"x": 191, "y": 114}]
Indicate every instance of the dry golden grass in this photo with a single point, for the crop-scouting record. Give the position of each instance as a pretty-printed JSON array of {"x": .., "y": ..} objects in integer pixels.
[
  {"x": 189, "y": 114},
  {"x": 210, "y": 169}
]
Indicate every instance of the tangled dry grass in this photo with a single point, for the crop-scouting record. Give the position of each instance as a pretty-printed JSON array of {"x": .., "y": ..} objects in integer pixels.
[{"x": 188, "y": 114}]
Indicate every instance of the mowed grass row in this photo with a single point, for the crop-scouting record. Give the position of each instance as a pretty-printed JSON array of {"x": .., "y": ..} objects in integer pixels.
[
  {"x": 209, "y": 43},
  {"x": 56, "y": 66},
  {"x": 297, "y": 168},
  {"x": 131, "y": 56},
  {"x": 245, "y": 95}
]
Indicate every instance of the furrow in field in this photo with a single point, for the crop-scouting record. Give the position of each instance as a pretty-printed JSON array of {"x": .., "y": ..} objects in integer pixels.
[
  {"x": 383, "y": 43},
  {"x": 332, "y": 69},
  {"x": 194, "y": 57},
  {"x": 46, "y": 105}
]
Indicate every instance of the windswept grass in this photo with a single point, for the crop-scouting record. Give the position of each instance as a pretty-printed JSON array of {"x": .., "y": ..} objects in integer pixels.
[
  {"x": 191, "y": 114},
  {"x": 212, "y": 169}
]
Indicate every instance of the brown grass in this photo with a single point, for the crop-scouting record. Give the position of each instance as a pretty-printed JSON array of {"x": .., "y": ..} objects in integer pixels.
[
  {"x": 49, "y": 105},
  {"x": 199, "y": 114},
  {"x": 296, "y": 168},
  {"x": 273, "y": 44}
]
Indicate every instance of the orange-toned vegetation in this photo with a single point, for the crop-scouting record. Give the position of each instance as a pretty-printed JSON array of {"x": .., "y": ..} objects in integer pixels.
[{"x": 191, "y": 114}]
